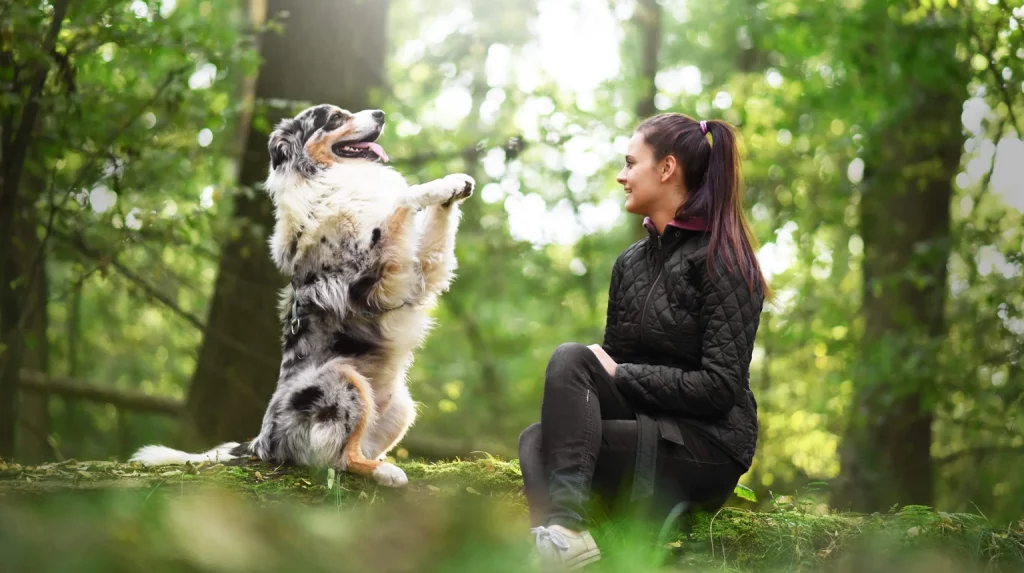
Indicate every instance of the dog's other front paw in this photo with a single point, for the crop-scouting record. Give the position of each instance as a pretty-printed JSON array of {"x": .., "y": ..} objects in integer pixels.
[
  {"x": 461, "y": 187},
  {"x": 390, "y": 475}
]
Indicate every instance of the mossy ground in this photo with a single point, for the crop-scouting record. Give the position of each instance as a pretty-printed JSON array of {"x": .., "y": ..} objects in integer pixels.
[
  {"x": 457, "y": 516},
  {"x": 262, "y": 481}
]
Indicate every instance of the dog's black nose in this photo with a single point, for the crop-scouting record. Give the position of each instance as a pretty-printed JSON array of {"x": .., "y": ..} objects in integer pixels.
[{"x": 378, "y": 115}]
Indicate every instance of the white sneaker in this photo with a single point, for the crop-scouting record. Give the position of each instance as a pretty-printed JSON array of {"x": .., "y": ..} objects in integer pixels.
[{"x": 560, "y": 549}]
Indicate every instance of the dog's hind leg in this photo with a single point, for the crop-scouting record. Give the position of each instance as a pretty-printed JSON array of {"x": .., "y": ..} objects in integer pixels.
[
  {"x": 321, "y": 418},
  {"x": 353, "y": 460},
  {"x": 391, "y": 424}
]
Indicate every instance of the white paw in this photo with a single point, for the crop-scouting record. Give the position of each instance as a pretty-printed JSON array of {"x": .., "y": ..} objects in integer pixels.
[
  {"x": 454, "y": 187},
  {"x": 390, "y": 475},
  {"x": 460, "y": 185}
]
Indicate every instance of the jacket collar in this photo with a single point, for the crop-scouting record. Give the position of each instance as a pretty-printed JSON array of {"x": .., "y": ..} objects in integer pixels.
[{"x": 689, "y": 224}]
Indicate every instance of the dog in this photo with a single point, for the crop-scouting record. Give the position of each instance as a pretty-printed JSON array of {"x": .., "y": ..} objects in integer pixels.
[{"x": 363, "y": 277}]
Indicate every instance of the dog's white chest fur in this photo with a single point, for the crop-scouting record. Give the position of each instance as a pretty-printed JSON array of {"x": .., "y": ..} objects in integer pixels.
[{"x": 349, "y": 200}]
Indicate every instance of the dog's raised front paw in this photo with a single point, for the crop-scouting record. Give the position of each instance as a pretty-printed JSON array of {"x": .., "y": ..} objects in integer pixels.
[
  {"x": 390, "y": 475},
  {"x": 461, "y": 187}
]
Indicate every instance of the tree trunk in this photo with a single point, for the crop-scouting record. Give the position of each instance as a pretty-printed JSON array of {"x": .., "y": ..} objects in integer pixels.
[
  {"x": 14, "y": 148},
  {"x": 34, "y": 409},
  {"x": 329, "y": 52},
  {"x": 73, "y": 421},
  {"x": 905, "y": 225},
  {"x": 647, "y": 18}
]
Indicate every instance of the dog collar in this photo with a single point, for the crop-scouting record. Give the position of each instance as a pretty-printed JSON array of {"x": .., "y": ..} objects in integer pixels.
[{"x": 296, "y": 318}]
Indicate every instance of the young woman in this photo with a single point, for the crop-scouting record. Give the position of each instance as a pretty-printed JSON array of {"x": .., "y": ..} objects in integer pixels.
[{"x": 663, "y": 406}]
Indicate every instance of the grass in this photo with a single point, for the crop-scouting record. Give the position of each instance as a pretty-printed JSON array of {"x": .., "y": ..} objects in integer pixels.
[{"x": 457, "y": 516}]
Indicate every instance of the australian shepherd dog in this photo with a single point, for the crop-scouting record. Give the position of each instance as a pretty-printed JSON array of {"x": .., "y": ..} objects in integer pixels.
[{"x": 367, "y": 257}]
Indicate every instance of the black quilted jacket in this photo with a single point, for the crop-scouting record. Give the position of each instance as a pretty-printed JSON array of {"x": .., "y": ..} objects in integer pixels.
[{"x": 683, "y": 340}]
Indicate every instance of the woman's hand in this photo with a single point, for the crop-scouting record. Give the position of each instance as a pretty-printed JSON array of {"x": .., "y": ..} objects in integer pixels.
[{"x": 606, "y": 360}]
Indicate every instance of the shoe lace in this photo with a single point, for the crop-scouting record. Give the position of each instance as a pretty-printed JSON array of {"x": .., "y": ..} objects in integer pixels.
[{"x": 553, "y": 536}]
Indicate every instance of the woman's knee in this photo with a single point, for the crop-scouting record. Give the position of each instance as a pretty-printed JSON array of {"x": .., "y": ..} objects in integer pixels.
[
  {"x": 568, "y": 355},
  {"x": 529, "y": 439},
  {"x": 530, "y": 456}
]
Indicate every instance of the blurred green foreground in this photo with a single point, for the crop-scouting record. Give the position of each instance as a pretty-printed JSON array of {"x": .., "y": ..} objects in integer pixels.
[{"x": 457, "y": 516}]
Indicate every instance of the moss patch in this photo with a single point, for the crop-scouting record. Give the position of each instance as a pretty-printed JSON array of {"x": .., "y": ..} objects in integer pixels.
[{"x": 799, "y": 541}]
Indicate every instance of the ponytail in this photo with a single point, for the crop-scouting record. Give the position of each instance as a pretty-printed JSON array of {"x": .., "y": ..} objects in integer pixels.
[{"x": 708, "y": 152}]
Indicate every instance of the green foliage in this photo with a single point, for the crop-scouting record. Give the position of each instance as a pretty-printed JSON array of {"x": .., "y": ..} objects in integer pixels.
[
  {"x": 912, "y": 538},
  {"x": 129, "y": 161},
  {"x": 811, "y": 85},
  {"x": 744, "y": 492}
]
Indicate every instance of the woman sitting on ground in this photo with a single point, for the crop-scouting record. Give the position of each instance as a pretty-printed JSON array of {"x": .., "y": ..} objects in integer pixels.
[{"x": 663, "y": 406}]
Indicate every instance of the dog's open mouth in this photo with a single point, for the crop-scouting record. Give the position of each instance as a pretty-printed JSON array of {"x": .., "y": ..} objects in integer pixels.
[{"x": 369, "y": 150}]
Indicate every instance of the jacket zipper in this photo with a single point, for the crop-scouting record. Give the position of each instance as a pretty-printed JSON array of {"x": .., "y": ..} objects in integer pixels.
[{"x": 643, "y": 309}]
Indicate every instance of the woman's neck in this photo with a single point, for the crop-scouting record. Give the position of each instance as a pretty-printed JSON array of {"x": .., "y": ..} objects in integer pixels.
[
  {"x": 664, "y": 212},
  {"x": 661, "y": 220}
]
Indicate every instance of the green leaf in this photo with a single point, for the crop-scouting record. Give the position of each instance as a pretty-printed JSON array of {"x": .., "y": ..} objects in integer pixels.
[{"x": 744, "y": 492}]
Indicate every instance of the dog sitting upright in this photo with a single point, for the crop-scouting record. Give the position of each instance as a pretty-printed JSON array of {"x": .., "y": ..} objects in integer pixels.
[{"x": 362, "y": 280}]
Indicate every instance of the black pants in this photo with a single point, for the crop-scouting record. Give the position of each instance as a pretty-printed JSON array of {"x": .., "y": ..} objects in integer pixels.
[{"x": 586, "y": 442}]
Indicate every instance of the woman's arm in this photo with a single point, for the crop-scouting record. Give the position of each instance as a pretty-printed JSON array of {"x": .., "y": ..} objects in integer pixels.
[
  {"x": 733, "y": 314},
  {"x": 611, "y": 314}
]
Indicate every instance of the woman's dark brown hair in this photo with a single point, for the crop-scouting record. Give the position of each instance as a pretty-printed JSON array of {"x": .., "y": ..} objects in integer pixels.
[{"x": 711, "y": 174}]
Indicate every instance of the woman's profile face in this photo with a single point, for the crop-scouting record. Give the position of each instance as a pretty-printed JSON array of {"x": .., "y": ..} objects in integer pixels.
[{"x": 641, "y": 177}]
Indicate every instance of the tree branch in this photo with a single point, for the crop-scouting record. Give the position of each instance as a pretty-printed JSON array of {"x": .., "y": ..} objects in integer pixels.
[
  {"x": 20, "y": 142},
  {"x": 979, "y": 452},
  {"x": 425, "y": 446},
  {"x": 165, "y": 300},
  {"x": 1010, "y": 11},
  {"x": 83, "y": 174},
  {"x": 150, "y": 291},
  {"x": 512, "y": 146},
  {"x": 133, "y": 400},
  {"x": 989, "y": 53}
]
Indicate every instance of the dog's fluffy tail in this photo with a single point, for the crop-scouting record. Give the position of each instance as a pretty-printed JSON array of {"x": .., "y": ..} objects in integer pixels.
[{"x": 162, "y": 455}]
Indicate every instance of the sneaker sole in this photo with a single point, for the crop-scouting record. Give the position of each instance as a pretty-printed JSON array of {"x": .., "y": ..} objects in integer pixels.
[{"x": 583, "y": 560}]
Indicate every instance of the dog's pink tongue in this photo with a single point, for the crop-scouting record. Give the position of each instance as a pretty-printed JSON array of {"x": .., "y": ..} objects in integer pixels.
[{"x": 374, "y": 147}]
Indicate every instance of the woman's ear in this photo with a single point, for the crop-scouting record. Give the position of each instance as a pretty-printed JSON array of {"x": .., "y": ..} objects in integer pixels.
[{"x": 668, "y": 167}]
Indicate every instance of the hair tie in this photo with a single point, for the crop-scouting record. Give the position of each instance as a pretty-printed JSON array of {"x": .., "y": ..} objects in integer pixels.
[{"x": 704, "y": 127}]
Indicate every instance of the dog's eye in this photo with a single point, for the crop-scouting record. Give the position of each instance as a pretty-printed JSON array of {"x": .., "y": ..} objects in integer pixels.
[{"x": 336, "y": 116}]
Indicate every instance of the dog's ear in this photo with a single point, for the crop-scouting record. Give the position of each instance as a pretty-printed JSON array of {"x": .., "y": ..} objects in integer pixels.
[
  {"x": 279, "y": 149},
  {"x": 282, "y": 144}
]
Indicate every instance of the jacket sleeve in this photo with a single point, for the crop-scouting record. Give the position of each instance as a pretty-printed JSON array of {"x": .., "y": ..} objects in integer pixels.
[
  {"x": 730, "y": 315},
  {"x": 611, "y": 320}
]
